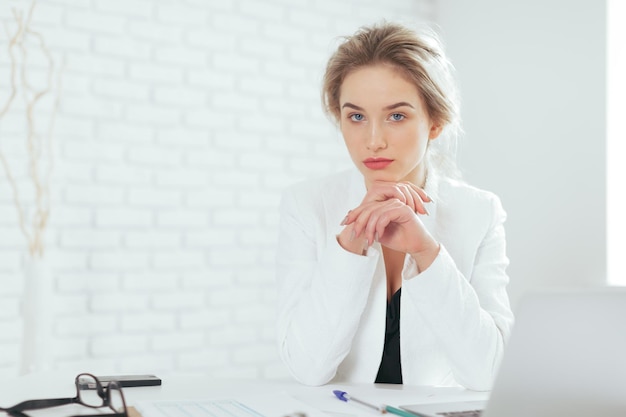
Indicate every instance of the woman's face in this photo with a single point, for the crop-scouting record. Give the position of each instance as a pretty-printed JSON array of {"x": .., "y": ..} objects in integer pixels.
[{"x": 385, "y": 125}]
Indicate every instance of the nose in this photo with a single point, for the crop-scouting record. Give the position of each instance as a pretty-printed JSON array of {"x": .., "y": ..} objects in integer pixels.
[{"x": 376, "y": 139}]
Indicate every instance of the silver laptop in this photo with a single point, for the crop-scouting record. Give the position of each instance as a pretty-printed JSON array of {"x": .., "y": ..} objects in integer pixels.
[{"x": 566, "y": 358}]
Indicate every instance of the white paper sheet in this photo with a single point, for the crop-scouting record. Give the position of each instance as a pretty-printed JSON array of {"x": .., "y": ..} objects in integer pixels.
[{"x": 278, "y": 405}]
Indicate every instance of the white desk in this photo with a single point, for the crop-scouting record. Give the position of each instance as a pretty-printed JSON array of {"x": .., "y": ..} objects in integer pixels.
[{"x": 314, "y": 400}]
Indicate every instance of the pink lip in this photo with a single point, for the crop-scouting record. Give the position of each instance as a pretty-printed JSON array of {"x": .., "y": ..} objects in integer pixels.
[{"x": 377, "y": 163}]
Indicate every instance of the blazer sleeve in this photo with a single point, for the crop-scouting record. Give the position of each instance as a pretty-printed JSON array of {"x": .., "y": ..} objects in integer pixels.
[
  {"x": 322, "y": 291},
  {"x": 470, "y": 316}
]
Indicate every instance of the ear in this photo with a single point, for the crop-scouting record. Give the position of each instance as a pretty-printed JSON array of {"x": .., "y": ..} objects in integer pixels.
[{"x": 435, "y": 131}]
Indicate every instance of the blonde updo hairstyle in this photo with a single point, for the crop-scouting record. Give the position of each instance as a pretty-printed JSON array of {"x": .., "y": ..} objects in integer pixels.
[{"x": 420, "y": 58}]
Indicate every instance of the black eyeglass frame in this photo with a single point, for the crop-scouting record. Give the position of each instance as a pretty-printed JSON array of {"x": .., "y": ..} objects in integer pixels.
[{"x": 104, "y": 393}]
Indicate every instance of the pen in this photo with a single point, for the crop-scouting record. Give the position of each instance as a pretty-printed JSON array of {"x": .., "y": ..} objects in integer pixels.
[{"x": 344, "y": 396}]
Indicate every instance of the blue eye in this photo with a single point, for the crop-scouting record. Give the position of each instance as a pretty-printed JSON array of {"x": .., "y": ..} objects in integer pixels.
[
  {"x": 356, "y": 117},
  {"x": 397, "y": 117}
]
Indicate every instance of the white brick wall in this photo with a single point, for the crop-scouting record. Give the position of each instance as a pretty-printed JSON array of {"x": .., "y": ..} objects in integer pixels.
[{"x": 180, "y": 122}]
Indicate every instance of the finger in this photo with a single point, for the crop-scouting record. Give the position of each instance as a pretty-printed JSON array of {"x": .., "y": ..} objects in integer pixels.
[
  {"x": 394, "y": 191},
  {"x": 384, "y": 190},
  {"x": 359, "y": 217},
  {"x": 352, "y": 215},
  {"x": 425, "y": 197},
  {"x": 346, "y": 219},
  {"x": 380, "y": 217},
  {"x": 369, "y": 231},
  {"x": 419, "y": 197},
  {"x": 412, "y": 198},
  {"x": 409, "y": 195},
  {"x": 377, "y": 224},
  {"x": 420, "y": 207},
  {"x": 381, "y": 227}
]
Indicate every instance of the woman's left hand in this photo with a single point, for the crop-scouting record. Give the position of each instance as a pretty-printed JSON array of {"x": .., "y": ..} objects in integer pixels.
[{"x": 395, "y": 225}]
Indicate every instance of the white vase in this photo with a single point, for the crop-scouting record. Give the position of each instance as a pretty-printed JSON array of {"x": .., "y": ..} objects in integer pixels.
[{"x": 37, "y": 311}]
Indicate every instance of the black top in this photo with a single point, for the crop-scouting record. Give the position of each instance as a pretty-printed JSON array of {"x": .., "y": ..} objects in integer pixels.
[{"x": 390, "y": 371}]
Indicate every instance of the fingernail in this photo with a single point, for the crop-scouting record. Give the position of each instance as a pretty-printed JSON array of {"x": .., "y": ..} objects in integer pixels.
[
  {"x": 352, "y": 235},
  {"x": 376, "y": 237},
  {"x": 427, "y": 213},
  {"x": 345, "y": 219}
]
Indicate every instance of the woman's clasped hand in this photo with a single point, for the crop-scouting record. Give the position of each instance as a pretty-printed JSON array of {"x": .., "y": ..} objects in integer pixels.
[{"x": 389, "y": 214}]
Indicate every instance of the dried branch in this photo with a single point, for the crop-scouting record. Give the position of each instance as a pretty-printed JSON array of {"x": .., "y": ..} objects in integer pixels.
[{"x": 36, "y": 145}]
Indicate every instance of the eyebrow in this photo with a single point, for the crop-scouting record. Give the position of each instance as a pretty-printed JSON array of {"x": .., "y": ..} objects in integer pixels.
[
  {"x": 400, "y": 104},
  {"x": 390, "y": 107}
]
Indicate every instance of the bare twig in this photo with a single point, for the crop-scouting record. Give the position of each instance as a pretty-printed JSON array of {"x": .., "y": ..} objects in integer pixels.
[{"x": 36, "y": 144}]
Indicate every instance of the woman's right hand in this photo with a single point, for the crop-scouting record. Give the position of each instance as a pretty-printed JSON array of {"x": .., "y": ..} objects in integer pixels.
[{"x": 408, "y": 193}]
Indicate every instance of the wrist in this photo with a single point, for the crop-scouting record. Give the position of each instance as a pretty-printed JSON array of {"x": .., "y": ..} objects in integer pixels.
[
  {"x": 426, "y": 256},
  {"x": 347, "y": 240}
]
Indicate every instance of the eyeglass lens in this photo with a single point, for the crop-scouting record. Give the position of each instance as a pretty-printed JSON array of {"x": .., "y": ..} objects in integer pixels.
[
  {"x": 90, "y": 392},
  {"x": 116, "y": 398}
]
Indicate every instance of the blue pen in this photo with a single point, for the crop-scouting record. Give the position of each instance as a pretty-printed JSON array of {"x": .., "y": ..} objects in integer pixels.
[{"x": 344, "y": 396}]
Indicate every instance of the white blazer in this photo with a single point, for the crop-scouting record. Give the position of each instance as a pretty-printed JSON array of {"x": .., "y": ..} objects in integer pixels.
[{"x": 455, "y": 315}]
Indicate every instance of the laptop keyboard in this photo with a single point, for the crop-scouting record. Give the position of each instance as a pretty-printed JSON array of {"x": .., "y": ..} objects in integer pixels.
[{"x": 470, "y": 413}]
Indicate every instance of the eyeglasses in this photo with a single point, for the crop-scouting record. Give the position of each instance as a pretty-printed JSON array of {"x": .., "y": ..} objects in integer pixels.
[{"x": 89, "y": 392}]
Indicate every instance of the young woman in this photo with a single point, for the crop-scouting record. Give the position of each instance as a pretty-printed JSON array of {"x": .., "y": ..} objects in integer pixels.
[{"x": 394, "y": 272}]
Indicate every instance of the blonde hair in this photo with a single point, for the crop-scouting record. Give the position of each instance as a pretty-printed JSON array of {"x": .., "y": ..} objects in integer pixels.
[{"x": 421, "y": 59}]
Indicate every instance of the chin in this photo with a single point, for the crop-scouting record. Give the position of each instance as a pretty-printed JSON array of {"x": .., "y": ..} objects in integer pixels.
[{"x": 381, "y": 176}]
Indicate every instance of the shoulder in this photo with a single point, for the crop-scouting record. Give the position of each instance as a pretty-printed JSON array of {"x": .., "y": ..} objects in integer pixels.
[
  {"x": 461, "y": 190},
  {"x": 337, "y": 180},
  {"x": 329, "y": 185},
  {"x": 315, "y": 193},
  {"x": 462, "y": 197}
]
